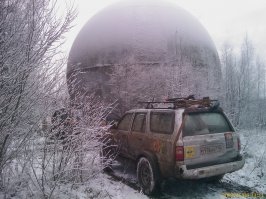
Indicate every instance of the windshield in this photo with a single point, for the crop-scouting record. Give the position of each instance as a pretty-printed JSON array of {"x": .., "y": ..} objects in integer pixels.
[{"x": 205, "y": 123}]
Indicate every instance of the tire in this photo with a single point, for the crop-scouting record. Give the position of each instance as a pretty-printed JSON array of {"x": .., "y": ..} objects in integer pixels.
[{"x": 148, "y": 176}]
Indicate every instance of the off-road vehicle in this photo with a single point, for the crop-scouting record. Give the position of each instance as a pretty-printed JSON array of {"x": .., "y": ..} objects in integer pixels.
[{"x": 185, "y": 138}]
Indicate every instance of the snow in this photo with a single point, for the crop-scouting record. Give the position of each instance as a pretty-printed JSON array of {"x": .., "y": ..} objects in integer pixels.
[
  {"x": 101, "y": 187},
  {"x": 253, "y": 174},
  {"x": 245, "y": 181}
]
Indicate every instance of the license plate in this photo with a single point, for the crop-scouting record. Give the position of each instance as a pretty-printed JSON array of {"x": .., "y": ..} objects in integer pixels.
[{"x": 210, "y": 149}]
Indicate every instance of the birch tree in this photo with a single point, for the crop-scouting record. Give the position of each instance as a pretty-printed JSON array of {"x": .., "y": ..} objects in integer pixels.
[{"x": 228, "y": 60}]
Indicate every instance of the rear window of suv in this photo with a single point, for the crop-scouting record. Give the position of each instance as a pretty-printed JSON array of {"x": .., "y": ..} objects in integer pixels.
[
  {"x": 162, "y": 122},
  {"x": 205, "y": 123}
]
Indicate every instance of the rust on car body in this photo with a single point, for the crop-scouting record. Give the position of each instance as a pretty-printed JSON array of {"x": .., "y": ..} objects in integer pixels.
[{"x": 192, "y": 139}]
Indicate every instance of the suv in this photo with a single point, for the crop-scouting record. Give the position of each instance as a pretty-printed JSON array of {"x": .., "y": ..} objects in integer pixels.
[{"x": 191, "y": 139}]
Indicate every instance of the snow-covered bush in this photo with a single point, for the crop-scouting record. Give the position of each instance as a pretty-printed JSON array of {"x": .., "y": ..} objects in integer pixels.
[
  {"x": 68, "y": 152},
  {"x": 30, "y": 79}
]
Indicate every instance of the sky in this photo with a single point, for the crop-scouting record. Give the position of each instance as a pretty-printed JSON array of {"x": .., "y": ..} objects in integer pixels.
[{"x": 225, "y": 20}]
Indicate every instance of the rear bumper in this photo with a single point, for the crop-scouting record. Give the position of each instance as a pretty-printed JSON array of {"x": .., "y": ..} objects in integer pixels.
[{"x": 209, "y": 171}]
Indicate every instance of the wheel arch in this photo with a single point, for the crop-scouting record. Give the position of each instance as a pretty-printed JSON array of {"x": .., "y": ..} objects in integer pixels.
[{"x": 150, "y": 156}]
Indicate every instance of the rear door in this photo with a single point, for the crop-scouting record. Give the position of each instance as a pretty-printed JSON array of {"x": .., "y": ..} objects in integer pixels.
[
  {"x": 208, "y": 139},
  {"x": 137, "y": 139},
  {"x": 122, "y": 132},
  {"x": 162, "y": 127}
]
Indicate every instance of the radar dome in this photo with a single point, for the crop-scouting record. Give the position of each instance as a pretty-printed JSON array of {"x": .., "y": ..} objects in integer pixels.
[{"x": 143, "y": 49}]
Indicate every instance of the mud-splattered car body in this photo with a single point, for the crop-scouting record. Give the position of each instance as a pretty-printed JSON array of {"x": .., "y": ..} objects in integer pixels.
[{"x": 187, "y": 143}]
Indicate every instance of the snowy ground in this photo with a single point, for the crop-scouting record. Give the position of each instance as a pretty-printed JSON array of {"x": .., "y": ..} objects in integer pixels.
[
  {"x": 253, "y": 173},
  {"x": 122, "y": 182},
  {"x": 103, "y": 187}
]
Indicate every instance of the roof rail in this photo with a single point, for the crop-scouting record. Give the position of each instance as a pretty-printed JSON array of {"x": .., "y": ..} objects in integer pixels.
[{"x": 184, "y": 102}]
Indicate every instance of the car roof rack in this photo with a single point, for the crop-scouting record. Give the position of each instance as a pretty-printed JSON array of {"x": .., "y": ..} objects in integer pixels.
[{"x": 183, "y": 102}]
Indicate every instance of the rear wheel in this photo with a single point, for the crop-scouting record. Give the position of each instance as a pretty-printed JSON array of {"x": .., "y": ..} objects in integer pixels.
[{"x": 148, "y": 175}]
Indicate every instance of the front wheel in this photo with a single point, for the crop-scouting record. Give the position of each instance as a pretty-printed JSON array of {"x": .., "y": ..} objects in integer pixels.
[{"x": 148, "y": 175}]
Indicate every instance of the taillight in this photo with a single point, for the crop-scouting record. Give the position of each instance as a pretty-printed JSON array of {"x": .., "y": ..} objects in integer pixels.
[
  {"x": 238, "y": 144},
  {"x": 179, "y": 153}
]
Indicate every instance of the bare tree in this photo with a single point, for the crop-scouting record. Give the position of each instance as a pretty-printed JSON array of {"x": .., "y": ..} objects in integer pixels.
[
  {"x": 243, "y": 85},
  {"x": 136, "y": 82},
  {"x": 245, "y": 79},
  {"x": 230, "y": 86},
  {"x": 260, "y": 92},
  {"x": 73, "y": 158},
  {"x": 30, "y": 34}
]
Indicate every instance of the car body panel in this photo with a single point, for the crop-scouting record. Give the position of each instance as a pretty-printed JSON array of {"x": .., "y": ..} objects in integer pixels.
[
  {"x": 209, "y": 171},
  {"x": 208, "y": 148},
  {"x": 204, "y": 146},
  {"x": 217, "y": 152}
]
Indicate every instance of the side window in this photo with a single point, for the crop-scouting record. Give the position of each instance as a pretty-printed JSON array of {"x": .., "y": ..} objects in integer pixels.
[
  {"x": 125, "y": 122},
  {"x": 162, "y": 122},
  {"x": 139, "y": 124}
]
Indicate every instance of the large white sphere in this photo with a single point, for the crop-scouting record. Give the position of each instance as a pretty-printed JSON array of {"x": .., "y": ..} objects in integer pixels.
[{"x": 147, "y": 32}]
